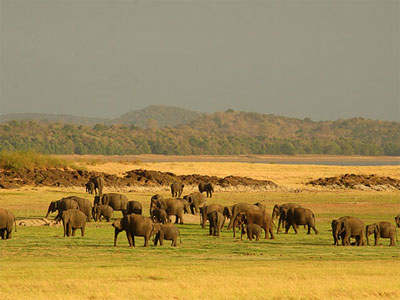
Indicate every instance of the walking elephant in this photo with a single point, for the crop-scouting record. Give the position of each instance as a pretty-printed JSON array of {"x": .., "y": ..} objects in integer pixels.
[
  {"x": 217, "y": 221},
  {"x": 98, "y": 183},
  {"x": 73, "y": 219},
  {"x": 381, "y": 230},
  {"x": 253, "y": 231},
  {"x": 84, "y": 206},
  {"x": 196, "y": 200},
  {"x": 205, "y": 210},
  {"x": 104, "y": 211},
  {"x": 134, "y": 207},
  {"x": 281, "y": 212},
  {"x": 348, "y": 227},
  {"x": 177, "y": 189},
  {"x": 7, "y": 220},
  {"x": 300, "y": 216},
  {"x": 60, "y": 206},
  {"x": 166, "y": 232},
  {"x": 206, "y": 187},
  {"x": 134, "y": 225},
  {"x": 116, "y": 201},
  {"x": 173, "y": 207},
  {"x": 259, "y": 217},
  {"x": 236, "y": 209}
]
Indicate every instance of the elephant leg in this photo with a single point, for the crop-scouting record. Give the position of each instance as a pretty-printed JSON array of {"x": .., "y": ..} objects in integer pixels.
[
  {"x": 294, "y": 225},
  {"x": 73, "y": 231},
  {"x": 266, "y": 232},
  {"x": 146, "y": 240},
  {"x": 204, "y": 220},
  {"x": 161, "y": 239},
  {"x": 271, "y": 231},
  {"x": 376, "y": 239},
  {"x": 176, "y": 219},
  {"x": 174, "y": 242},
  {"x": 180, "y": 218},
  {"x": 392, "y": 241},
  {"x": 210, "y": 229},
  {"x": 308, "y": 229},
  {"x": 130, "y": 240},
  {"x": 83, "y": 230},
  {"x": 8, "y": 235},
  {"x": 346, "y": 239}
]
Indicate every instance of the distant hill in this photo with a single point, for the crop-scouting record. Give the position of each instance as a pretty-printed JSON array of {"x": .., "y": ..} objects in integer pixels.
[
  {"x": 51, "y": 118},
  {"x": 158, "y": 115},
  {"x": 222, "y": 133}
]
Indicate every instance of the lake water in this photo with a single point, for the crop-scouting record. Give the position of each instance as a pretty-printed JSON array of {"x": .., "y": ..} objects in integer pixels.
[{"x": 335, "y": 163}]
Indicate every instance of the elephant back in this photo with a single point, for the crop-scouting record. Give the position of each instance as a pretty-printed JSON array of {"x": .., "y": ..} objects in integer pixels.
[
  {"x": 353, "y": 224},
  {"x": 67, "y": 203},
  {"x": 134, "y": 207},
  {"x": 173, "y": 206},
  {"x": 84, "y": 205},
  {"x": 116, "y": 201},
  {"x": 139, "y": 225}
]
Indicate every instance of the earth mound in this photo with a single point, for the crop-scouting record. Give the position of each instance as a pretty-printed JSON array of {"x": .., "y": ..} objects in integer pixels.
[
  {"x": 38, "y": 222},
  {"x": 138, "y": 177},
  {"x": 359, "y": 182}
]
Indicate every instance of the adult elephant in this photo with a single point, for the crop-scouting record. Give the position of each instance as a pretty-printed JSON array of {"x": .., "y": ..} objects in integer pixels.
[
  {"x": 217, "y": 221},
  {"x": 173, "y": 207},
  {"x": 7, "y": 220},
  {"x": 89, "y": 187},
  {"x": 134, "y": 225},
  {"x": 205, "y": 210},
  {"x": 84, "y": 206},
  {"x": 177, "y": 189},
  {"x": 196, "y": 200},
  {"x": 73, "y": 219},
  {"x": 98, "y": 183},
  {"x": 186, "y": 205},
  {"x": 258, "y": 217},
  {"x": 300, "y": 216},
  {"x": 206, "y": 187},
  {"x": 397, "y": 220},
  {"x": 153, "y": 203},
  {"x": 348, "y": 227},
  {"x": 60, "y": 206},
  {"x": 134, "y": 207},
  {"x": 238, "y": 208},
  {"x": 116, "y": 201},
  {"x": 281, "y": 212},
  {"x": 381, "y": 230}
]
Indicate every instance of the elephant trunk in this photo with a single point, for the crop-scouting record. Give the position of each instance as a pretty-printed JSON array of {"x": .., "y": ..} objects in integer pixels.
[{"x": 48, "y": 211}]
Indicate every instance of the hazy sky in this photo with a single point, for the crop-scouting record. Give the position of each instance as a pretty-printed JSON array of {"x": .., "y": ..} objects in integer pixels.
[{"x": 319, "y": 59}]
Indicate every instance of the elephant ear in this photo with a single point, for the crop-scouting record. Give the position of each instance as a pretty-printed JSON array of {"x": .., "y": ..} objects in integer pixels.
[{"x": 376, "y": 228}]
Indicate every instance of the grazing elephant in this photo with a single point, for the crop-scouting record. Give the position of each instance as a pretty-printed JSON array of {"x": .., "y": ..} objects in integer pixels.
[
  {"x": 346, "y": 228},
  {"x": 281, "y": 212},
  {"x": 300, "y": 216},
  {"x": 236, "y": 209},
  {"x": 217, "y": 221},
  {"x": 381, "y": 230},
  {"x": 101, "y": 210},
  {"x": 206, "y": 187},
  {"x": 134, "y": 225},
  {"x": 7, "y": 220},
  {"x": 116, "y": 201},
  {"x": 90, "y": 187},
  {"x": 253, "y": 231},
  {"x": 205, "y": 210},
  {"x": 397, "y": 220},
  {"x": 84, "y": 206},
  {"x": 166, "y": 232},
  {"x": 73, "y": 219},
  {"x": 134, "y": 207},
  {"x": 160, "y": 216},
  {"x": 177, "y": 189},
  {"x": 259, "y": 217},
  {"x": 61, "y": 205},
  {"x": 173, "y": 207},
  {"x": 98, "y": 183},
  {"x": 195, "y": 200}
]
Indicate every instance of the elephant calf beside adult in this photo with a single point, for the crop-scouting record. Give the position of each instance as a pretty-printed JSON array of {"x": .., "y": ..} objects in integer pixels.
[
  {"x": 281, "y": 212},
  {"x": 381, "y": 230},
  {"x": 116, "y": 201},
  {"x": 7, "y": 220},
  {"x": 84, "y": 206},
  {"x": 60, "y": 206},
  {"x": 235, "y": 210},
  {"x": 348, "y": 227},
  {"x": 217, "y": 221},
  {"x": 205, "y": 210},
  {"x": 259, "y": 217},
  {"x": 134, "y": 225}
]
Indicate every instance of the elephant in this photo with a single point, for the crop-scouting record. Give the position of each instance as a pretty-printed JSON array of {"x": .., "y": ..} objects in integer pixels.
[
  {"x": 205, "y": 210},
  {"x": 173, "y": 207},
  {"x": 134, "y": 225},
  {"x": 177, "y": 189},
  {"x": 116, "y": 201},
  {"x": 134, "y": 207},
  {"x": 397, "y": 220},
  {"x": 347, "y": 227},
  {"x": 166, "y": 232},
  {"x": 73, "y": 219},
  {"x": 84, "y": 206},
  {"x": 259, "y": 217},
  {"x": 98, "y": 183},
  {"x": 227, "y": 212},
  {"x": 186, "y": 205},
  {"x": 252, "y": 230},
  {"x": 217, "y": 221},
  {"x": 236, "y": 209},
  {"x": 62, "y": 205},
  {"x": 206, "y": 187},
  {"x": 153, "y": 203},
  {"x": 102, "y": 211},
  {"x": 195, "y": 200},
  {"x": 281, "y": 212},
  {"x": 300, "y": 216},
  {"x": 89, "y": 187},
  {"x": 7, "y": 220},
  {"x": 381, "y": 230},
  {"x": 160, "y": 216}
]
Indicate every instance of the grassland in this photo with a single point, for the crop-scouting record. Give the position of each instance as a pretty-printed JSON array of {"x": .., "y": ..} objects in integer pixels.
[{"x": 38, "y": 263}]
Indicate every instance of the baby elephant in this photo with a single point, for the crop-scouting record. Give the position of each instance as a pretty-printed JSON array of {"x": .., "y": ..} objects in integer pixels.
[
  {"x": 73, "y": 219},
  {"x": 217, "y": 221},
  {"x": 166, "y": 232},
  {"x": 160, "y": 216},
  {"x": 381, "y": 230},
  {"x": 253, "y": 230},
  {"x": 102, "y": 211}
]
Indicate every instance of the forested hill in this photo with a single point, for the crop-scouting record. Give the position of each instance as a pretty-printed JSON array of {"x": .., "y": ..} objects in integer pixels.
[{"x": 222, "y": 133}]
